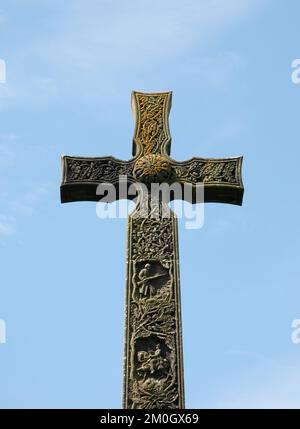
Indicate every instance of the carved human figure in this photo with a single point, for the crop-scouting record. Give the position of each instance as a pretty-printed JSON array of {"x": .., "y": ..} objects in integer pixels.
[
  {"x": 144, "y": 281},
  {"x": 146, "y": 288},
  {"x": 151, "y": 361}
]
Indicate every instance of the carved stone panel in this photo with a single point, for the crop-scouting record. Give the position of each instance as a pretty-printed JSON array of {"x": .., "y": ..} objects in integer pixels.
[
  {"x": 153, "y": 375},
  {"x": 210, "y": 171},
  {"x": 94, "y": 170},
  {"x": 152, "y": 135}
]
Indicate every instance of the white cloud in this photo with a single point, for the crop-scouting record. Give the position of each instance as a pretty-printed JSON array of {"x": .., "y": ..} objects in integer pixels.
[
  {"x": 36, "y": 91},
  {"x": 138, "y": 30},
  {"x": 20, "y": 197},
  {"x": 13, "y": 150},
  {"x": 105, "y": 47},
  {"x": 6, "y": 226},
  {"x": 113, "y": 36},
  {"x": 27, "y": 204}
]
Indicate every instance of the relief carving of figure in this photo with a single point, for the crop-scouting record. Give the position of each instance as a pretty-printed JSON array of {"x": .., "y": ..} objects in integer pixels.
[
  {"x": 151, "y": 361},
  {"x": 145, "y": 286},
  {"x": 144, "y": 281}
]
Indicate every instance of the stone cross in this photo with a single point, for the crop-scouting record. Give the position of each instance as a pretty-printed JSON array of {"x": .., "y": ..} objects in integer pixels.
[{"x": 153, "y": 363}]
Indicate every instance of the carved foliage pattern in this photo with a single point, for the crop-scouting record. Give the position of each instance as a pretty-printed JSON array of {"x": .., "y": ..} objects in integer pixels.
[
  {"x": 151, "y": 134},
  {"x": 152, "y": 239},
  {"x": 101, "y": 170},
  {"x": 226, "y": 171}
]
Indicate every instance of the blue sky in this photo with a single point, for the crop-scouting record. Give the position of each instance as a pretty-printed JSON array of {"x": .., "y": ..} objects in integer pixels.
[{"x": 71, "y": 67}]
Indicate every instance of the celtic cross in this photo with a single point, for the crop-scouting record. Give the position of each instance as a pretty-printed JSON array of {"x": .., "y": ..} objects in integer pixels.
[{"x": 153, "y": 364}]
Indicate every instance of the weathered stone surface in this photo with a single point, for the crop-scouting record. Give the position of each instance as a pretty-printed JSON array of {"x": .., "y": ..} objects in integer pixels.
[{"x": 153, "y": 368}]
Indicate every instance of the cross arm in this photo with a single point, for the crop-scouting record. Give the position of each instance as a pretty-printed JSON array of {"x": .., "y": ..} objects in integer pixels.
[
  {"x": 82, "y": 175},
  {"x": 222, "y": 178}
]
